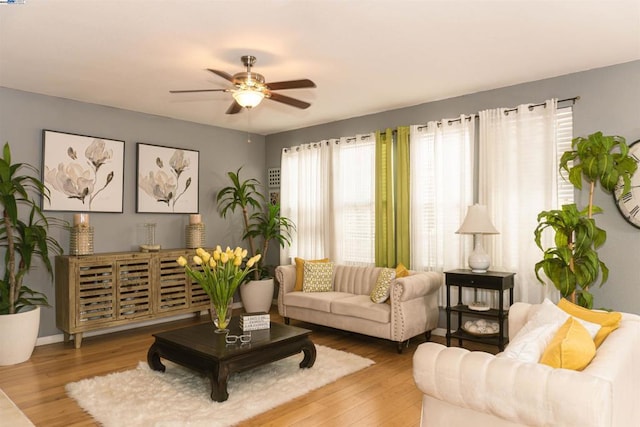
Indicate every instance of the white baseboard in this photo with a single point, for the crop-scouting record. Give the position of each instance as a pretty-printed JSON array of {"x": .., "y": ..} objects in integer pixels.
[{"x": 441, "y": 332}]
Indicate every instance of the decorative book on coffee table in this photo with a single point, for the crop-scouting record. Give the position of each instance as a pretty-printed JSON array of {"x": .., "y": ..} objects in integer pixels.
[{"x": 255, "y": 321}]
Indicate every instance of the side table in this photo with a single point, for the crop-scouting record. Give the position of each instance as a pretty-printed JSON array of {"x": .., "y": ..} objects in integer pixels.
[{"x": 492, "y": 280}]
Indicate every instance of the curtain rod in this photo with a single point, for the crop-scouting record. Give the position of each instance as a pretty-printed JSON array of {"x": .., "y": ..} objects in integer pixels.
[{"x": 573, "y": 100}]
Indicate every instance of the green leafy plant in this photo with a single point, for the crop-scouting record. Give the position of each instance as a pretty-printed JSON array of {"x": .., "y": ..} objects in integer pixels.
[
  {"x": 573, "y": 265},
  {"x": 262, "y": 221},
  {"x": 23, "y": 234}
]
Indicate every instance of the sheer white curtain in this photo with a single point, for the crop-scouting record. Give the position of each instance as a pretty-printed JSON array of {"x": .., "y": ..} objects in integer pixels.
[
  {"x": 518, "y": 172},
  {"x": 305, "y": 199},
  {"x": 353, "y": 213},
  {"x": 442, "y": 172},
  {"x": 327, "y": 189}
]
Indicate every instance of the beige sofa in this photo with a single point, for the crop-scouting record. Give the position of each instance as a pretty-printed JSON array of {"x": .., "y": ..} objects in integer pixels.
[
  {"x": 463, "y": 388},
  {"x": 413, "y": 309}
]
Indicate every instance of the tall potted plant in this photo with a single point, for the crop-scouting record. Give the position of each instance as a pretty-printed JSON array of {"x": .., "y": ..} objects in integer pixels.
[
  {"x": 262, "y": 224},
  {"x": 23, "y": 235},
  {"x": 573, "y": 264}
]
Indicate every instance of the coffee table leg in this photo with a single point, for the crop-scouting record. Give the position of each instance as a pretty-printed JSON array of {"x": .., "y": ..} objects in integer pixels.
[
  {"x": 219, "y": 383},
  {"x": 153, "y": 358},
  {"x": 309, "y": 354}
]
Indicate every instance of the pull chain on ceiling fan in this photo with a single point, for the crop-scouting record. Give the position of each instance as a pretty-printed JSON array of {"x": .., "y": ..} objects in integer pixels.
[{"x": 249, "y": 88}]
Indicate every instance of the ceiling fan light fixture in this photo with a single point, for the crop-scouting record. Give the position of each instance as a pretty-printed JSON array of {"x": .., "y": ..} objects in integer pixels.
[{"x": 248, "y": 98}]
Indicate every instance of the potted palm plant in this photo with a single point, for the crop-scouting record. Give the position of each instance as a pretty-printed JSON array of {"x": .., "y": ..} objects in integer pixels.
[
  {"x": 23, "y": 235},
  {"x": 262, "y": 224},
  {"x": 573, "y": 264}
]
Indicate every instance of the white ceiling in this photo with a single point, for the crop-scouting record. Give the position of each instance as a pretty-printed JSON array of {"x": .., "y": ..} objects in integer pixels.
[{"x": 365, "y": 56}]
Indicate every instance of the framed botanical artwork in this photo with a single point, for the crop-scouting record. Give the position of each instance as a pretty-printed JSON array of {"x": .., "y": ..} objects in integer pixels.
[
  {"x": 167, "y": 179},
  {"x": 83, "y": 173}
]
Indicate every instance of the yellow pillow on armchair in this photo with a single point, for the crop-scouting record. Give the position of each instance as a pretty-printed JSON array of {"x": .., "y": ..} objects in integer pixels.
[
  {"x": 570, "y": 348},
  {"x": 609, "y": 321}
]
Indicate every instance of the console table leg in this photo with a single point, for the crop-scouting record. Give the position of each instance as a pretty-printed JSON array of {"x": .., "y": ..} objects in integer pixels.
[
  {"x": 153, "y": 359},
  {"x": 309, "y": 354},
  {"x": 77, "y": 338},
  {"x": 219, "y": 379}
]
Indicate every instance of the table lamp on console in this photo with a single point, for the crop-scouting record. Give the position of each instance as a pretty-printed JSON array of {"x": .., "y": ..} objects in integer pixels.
[{"x": 477, "y": 222}]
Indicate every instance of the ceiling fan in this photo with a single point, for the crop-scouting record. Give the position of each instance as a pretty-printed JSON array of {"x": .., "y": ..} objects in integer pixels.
[{"x": 249, "y": 88}]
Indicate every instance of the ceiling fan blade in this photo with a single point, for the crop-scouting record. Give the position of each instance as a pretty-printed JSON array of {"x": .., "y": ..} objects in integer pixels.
[
  {"x": 222, "y": 74},
  {"x": 288, "y": 100},
  {"x": 198, "y": 90},
  {"x": 234, "y": 108},
  {"x": 291, "y": 84}
]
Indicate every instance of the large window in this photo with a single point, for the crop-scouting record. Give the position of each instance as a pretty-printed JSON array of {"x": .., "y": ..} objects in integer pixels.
[
  {"x": 354, "y": 200},
  {"x": 327, "y": 189}
]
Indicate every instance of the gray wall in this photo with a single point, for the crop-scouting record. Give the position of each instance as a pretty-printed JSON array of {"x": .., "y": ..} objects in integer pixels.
[
  {"x": 24, "y": 115},
  {"x": 609, "y": 102}
]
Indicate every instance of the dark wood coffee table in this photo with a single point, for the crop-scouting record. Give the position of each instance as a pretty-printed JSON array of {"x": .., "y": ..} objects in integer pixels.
[{"x": 200, "y": 348}]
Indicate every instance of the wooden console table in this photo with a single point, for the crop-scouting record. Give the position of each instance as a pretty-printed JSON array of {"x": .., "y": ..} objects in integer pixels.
[{"x": 112, "y": 289}]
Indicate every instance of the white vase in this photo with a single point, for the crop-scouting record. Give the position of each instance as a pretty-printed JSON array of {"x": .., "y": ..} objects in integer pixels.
[
  {"x": 257, "y": 295},
  {"x": 18, "y": 335}
]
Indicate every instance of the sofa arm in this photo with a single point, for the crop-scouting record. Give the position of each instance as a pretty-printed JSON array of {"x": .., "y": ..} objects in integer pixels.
[
  {"x": 286, "y": 278},
  {"x": 416, "y": 285},
  {"x": 525, "y": 393},
  {"x": 414, "y": 304}
]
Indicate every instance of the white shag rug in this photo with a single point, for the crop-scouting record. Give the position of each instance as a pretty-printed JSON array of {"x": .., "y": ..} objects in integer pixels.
[{"x": 182, "y": 397}]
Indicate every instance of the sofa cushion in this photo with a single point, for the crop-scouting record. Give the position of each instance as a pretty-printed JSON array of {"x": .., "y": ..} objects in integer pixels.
[
  {"x": 571, "y": 348},
  {"x": 320, "y": 301},
  {"x": 362, "y": 307},
  {"x": 318, "y": 277},
  {"x": 609, "y": 322},
  {"x": 300, "y": 270},
  {"x": 380, "y": 292}
]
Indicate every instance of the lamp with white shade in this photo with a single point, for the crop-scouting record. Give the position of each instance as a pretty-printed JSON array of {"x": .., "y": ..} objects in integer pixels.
[{"x": 478, "y": 223}]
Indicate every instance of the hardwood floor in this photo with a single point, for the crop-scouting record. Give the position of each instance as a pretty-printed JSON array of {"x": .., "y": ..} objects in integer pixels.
[{"x": 381, "y": 395}]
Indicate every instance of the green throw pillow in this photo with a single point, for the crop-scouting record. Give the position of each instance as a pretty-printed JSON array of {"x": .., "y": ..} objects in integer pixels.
[
  {"x": 381, "y": 290},
  {"x": 318, "y": 277}
]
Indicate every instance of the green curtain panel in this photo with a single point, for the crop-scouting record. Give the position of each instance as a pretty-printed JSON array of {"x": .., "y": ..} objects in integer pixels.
[
  {"x": 393, "y": 210},
  {"x": 402, "y": 198},
  {"x": 385, "y": 220}
]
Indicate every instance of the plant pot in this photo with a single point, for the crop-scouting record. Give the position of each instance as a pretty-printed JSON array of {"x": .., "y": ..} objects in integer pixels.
[
  {"x": 257, "y": 295},
  {"x": 18, "y": 335}
]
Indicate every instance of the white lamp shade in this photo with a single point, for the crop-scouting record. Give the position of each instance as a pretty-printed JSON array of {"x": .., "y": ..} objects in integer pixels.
[
  {"x": 477, "y": 221},
  {"x": 248, "y": 98}
]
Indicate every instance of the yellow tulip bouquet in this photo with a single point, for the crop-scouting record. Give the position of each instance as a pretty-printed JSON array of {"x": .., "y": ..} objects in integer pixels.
[{"x": 220, "y": 273}]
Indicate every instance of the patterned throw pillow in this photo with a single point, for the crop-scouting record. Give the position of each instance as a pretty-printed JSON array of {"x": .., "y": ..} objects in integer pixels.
[
  {"x": 318, "y": 277},
  {"x": 300, "y": 270},
  {"x": 381, "y": 290}
]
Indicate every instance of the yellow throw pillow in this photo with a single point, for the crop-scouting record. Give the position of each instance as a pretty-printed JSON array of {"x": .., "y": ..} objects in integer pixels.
[
  {"x": 318, "y": 277},
  {"x": 570, "y": 348},
  {"x": 609, "y": 321},
  {"x": 401, "y": 271},
  {"x": 300, "y": 271}
]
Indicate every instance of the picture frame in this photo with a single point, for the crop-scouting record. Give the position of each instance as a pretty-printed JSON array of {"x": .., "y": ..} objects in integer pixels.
[
  {"x": 83, "y": 173},
  {"x": 167, "y": 179}
]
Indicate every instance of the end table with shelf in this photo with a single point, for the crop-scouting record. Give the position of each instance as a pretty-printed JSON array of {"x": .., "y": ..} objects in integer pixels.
[{"x": 498, "y": 281}]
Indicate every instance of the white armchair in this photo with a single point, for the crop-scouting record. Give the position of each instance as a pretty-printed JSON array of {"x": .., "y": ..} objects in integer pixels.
[{"x": 463, "y": 388}]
